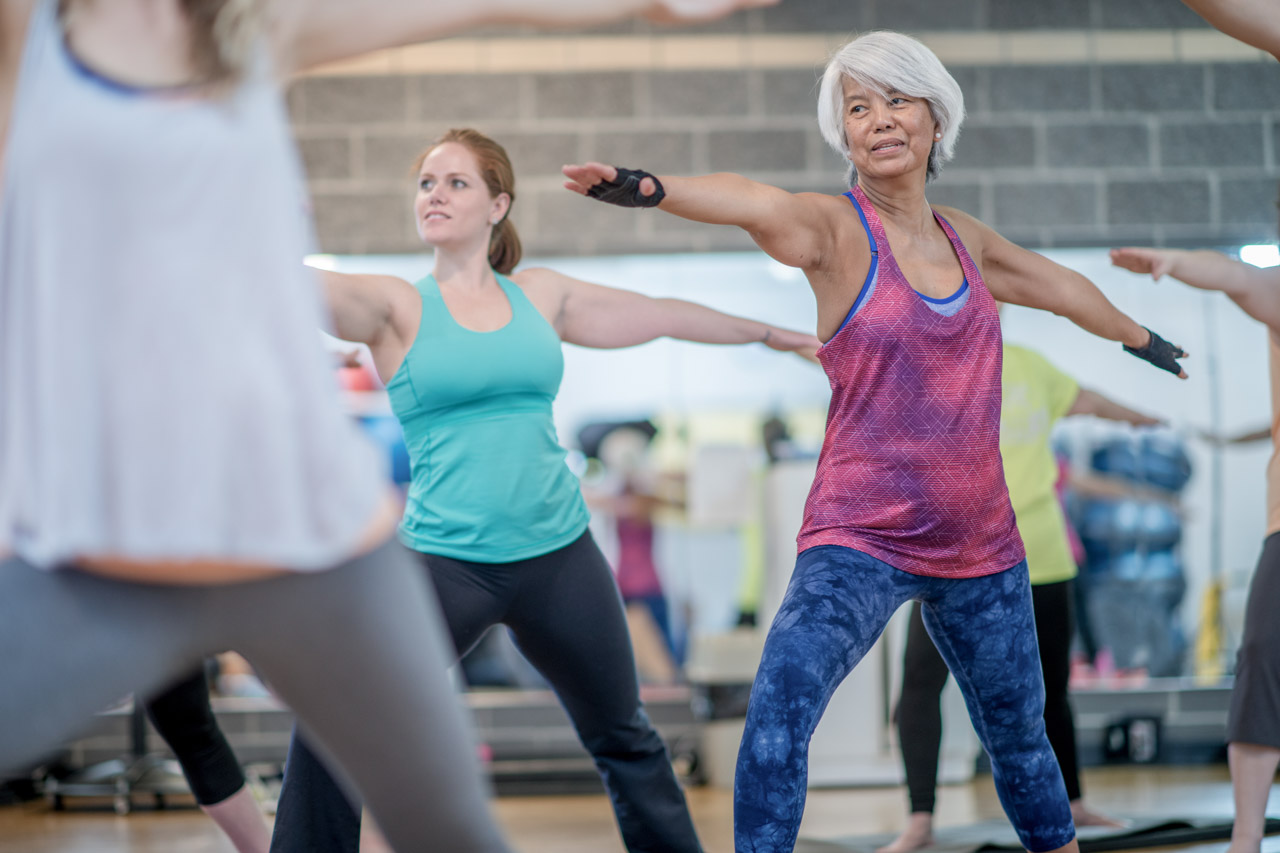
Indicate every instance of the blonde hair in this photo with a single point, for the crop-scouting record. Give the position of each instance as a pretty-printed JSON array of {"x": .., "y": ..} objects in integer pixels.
[
  {"x": 223, "y": 35},
  {"x": 499, "y": 177}
]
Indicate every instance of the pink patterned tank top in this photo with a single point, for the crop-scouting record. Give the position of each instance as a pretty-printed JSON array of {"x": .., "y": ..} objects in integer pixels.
[{"x": 910, "y": 469}]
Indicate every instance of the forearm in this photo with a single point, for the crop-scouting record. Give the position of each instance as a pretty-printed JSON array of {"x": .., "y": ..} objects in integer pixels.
[
  {"x": 541, "y": 12},
  {"x": 1255, "y": 290},
  {"x": 1210, "y": 270},
  {"x": 1090, "y": 485},
  {"x": 688, "y": 321},
  {"x": 1092, "y": 403},
  {"x": 1078, "y": 299},
  {"x": 1260, "y": 434},
  {"x": 320, "y": 31},
  {"x": 1255, "y": 22}
]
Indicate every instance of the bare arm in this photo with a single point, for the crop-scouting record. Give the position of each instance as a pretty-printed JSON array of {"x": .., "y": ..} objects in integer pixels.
[
  {"x": 362, "y": 305},
  {"x": 793, "y": 228},
  {"x": 1255, "y": 290},
  {"x": 1255, "y": 22},
  {"x": 1090, "y": 402},
  {"x": 314, "y": 32},
  {"x": 592, "y": 315},
  {"x": 14, "y": 17},
  {"x": 1094, "y": 485},
  {"x": 1260, "y": 434},
  {"x": 635, "y": 506},
  {"x": 1017, "y": 275}
]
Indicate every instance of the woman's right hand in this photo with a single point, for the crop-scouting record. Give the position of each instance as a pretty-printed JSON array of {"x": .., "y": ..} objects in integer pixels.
[
  {"x": 587, "y": 175},
  {"x": 1155, "y": 262}
]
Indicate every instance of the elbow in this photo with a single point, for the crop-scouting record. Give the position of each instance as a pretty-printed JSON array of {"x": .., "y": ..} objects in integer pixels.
[{"x": 1086, "y": 403}]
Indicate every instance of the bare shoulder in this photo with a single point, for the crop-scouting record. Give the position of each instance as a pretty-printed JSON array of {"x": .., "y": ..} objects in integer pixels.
[
  {"x": 541, "y": 281},
  {"x": 15, "y": 15},
  {"x": 536, "y": 277},
  {"x": 959, "y": 219},
  {"x": 549, "y": 291},
  {"x": 395, "y": 287},
  {"x": 404, "y": 303},
  {"x": 975, "y": 234}
]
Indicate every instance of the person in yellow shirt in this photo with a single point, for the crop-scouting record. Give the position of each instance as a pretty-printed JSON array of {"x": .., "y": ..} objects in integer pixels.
[{"x": 1035, "y": 394}]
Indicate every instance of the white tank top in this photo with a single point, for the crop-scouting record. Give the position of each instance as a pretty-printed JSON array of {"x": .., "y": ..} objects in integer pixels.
[{"x": 164, "y": 391}]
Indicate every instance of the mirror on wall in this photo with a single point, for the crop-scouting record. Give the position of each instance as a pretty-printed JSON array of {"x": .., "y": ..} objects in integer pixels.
[{"x": 1169, "y": 519}]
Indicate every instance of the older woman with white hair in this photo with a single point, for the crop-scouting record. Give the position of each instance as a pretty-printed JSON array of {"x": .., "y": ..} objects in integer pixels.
[{"x": 909, "y": 501}]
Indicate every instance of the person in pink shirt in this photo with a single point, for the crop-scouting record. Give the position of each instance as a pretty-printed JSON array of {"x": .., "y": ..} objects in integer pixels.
[{"x": 909, "y": 500}]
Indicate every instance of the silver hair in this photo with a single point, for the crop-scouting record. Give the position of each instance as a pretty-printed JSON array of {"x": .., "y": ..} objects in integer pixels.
[{"x": 884, "y": 62}]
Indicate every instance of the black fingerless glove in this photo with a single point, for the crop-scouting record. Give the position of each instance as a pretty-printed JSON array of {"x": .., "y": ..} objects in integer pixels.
[
  {"x": 1159, "y": 352},
  {"x": 624, "y": 190}
]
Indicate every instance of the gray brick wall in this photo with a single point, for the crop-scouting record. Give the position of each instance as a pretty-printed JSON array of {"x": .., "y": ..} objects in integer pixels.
[
  {"x": 1154, "y": 88},
  {"x": 849, "y": 15},
  {"x": 1058, "y": 155}
]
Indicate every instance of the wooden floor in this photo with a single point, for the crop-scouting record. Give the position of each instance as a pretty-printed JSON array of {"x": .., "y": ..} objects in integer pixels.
[{"x": 584, "y": 824}]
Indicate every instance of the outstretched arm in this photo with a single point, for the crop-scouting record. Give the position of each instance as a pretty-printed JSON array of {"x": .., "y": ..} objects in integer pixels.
[
  {"x": 14, "y": 17},
  {"x": 313, "y": 32},
  {"x": 793, "y": 228},
  {"x": 381, "y": 311},
  {"x": 592, "y": 315},
  {"x": 1017, "y": 275},
  {"x": 1090, "y": 402},
  {"x": 1255, "y": 290},
  {"x": 1255, "y": 22},
  {"x": 1262, "y": 433}
]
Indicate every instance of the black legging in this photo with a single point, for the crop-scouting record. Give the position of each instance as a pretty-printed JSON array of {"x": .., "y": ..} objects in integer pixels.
[
  {"x": 567, "y": 617},
  {"x": 184, "y": 718},
  {"x": 919, "y": 713}
]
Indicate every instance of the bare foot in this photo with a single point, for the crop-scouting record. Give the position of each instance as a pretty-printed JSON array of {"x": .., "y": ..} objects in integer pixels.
[
  {"x": 918, "y": 834},
  {"x": 1083, "y": 817}
]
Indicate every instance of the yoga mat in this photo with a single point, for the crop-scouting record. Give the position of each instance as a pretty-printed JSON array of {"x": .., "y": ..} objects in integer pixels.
[{"x": 998, "y": 835}]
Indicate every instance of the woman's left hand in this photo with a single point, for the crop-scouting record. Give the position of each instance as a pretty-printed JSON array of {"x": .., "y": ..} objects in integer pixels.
[{"x": 1160, "y": 353}]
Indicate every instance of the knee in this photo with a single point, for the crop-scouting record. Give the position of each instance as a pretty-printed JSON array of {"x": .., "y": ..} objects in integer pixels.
[
  {"x": 771, "y": 744},
  {"x": 1022, "y": 743},
  {"x": 187, "y": 735},
  {"x": 633, "y": 736}
]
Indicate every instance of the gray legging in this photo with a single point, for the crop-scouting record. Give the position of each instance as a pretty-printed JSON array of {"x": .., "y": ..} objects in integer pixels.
[{"x": 356, "y": 651}]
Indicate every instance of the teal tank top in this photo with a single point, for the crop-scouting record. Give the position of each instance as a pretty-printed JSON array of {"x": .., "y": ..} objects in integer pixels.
[{"x": 489, "y": 480}]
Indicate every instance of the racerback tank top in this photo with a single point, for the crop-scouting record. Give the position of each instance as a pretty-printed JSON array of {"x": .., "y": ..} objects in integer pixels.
[
  {"x": 489, "y": 482},
  {"x": 910, "y": 469}
]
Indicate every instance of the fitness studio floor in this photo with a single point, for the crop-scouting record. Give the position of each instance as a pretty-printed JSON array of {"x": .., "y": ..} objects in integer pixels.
[{"x": 584, "y": 824}]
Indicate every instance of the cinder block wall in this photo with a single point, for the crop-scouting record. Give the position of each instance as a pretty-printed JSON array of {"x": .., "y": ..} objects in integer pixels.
[{"x": 1091, "y": 122}]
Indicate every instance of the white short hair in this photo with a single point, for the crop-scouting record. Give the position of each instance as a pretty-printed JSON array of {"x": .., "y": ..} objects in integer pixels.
[{"x": 884, "y": 62}]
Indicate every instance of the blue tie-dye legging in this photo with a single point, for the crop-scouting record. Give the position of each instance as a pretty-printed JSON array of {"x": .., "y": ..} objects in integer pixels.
[{"x": 837, "y": 603}]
